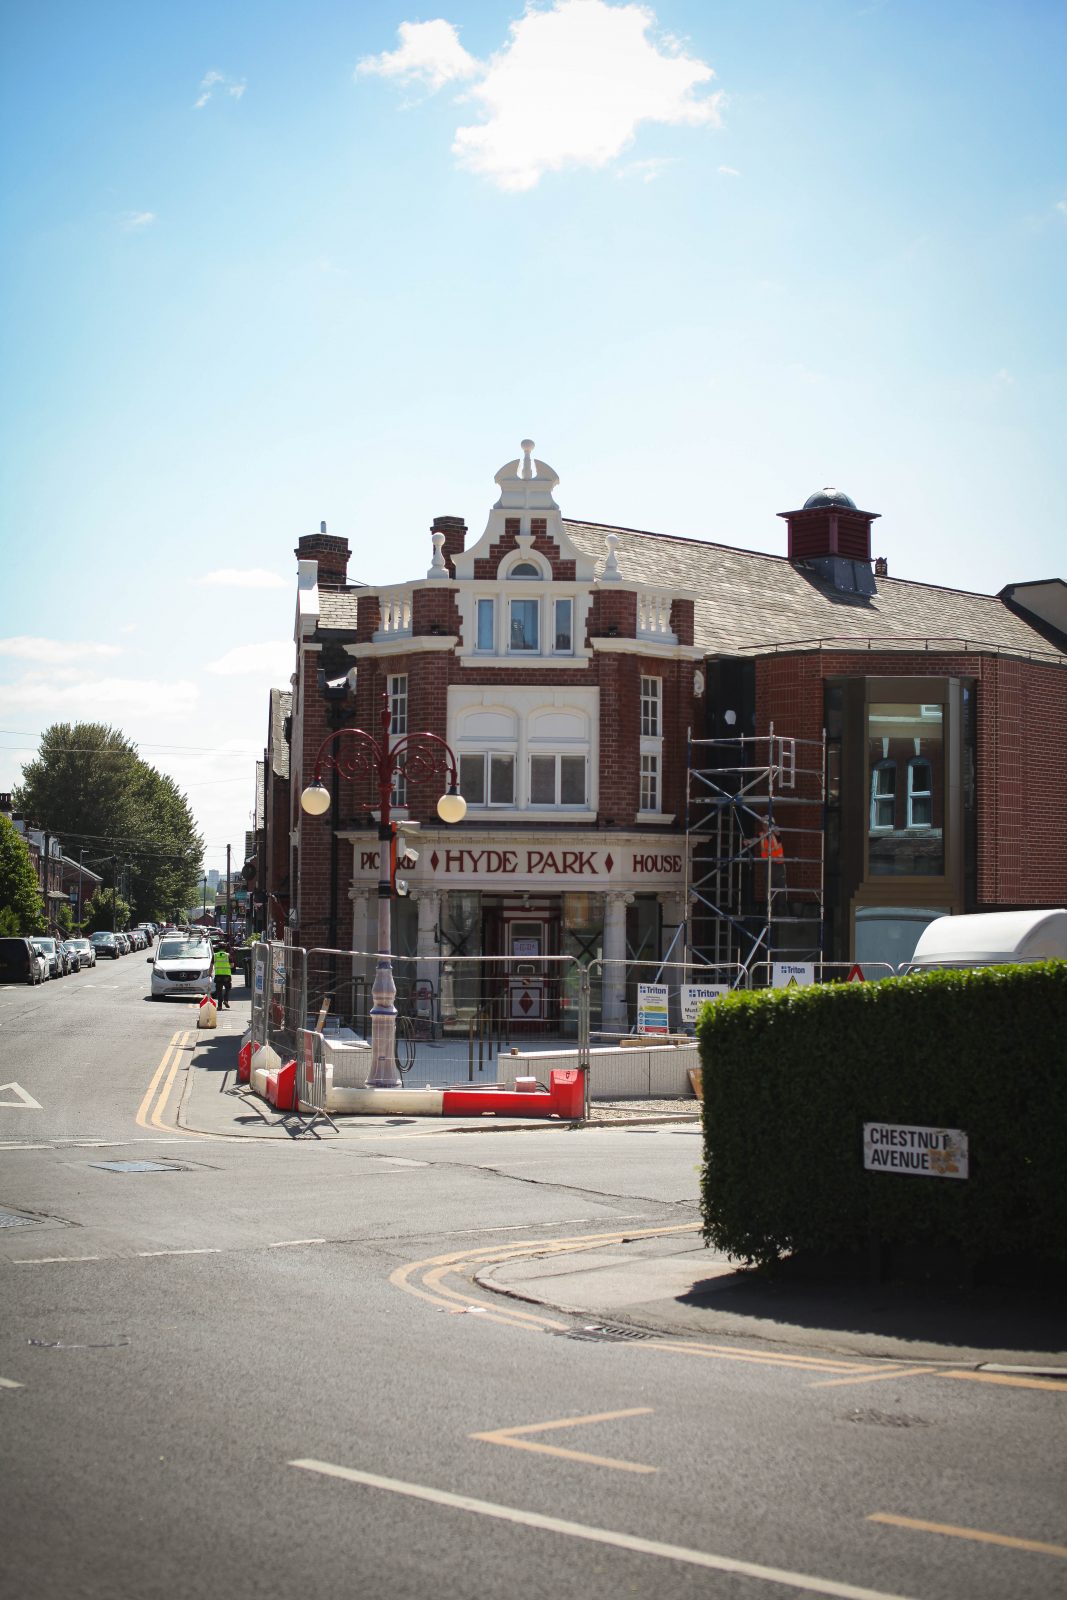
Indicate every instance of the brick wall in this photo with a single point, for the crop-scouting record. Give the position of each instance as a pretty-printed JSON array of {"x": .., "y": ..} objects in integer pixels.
[{"x": 1021, "y": 755}]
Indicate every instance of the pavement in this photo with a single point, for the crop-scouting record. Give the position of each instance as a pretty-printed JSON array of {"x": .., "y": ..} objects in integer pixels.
[{"x": 671, "y": 1284}]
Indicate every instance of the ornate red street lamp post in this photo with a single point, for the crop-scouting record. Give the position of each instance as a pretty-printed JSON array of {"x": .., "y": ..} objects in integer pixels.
[{"x": 421, "y": 758}]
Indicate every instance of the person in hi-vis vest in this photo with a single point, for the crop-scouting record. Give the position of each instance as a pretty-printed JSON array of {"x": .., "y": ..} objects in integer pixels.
[{"x": 223, "y": 977}]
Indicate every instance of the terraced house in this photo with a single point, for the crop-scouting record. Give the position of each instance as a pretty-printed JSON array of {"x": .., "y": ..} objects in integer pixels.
[{"x": 671, "y": 747}]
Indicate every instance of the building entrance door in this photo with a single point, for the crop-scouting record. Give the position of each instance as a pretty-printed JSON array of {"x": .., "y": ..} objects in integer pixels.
[{"x": 526, "y": 948}]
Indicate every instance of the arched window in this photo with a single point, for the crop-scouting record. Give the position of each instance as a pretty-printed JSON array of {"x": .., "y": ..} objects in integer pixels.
[{"x": 525, "y": 569}]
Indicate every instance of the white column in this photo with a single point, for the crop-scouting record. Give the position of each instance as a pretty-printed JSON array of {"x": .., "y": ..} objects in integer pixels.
[
  {"x": 427, "y": 963},
  {"x": 613, "y": 1003}
]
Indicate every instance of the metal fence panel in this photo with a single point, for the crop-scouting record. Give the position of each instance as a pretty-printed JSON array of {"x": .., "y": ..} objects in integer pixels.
[
  {"x": 311, "y": 1073},
  {"x": 459, "y": 1018},
  {"x": 656, "y": 998},
  {"x": 786, "y": 974}
]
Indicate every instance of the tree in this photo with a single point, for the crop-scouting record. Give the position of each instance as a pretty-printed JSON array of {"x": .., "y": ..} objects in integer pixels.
[
  {"x": 89, "y": 786},
  {"x": 82, "y": 781},
  {"x": 98, "y": 913},
  {"x": 20, "y": 897}
]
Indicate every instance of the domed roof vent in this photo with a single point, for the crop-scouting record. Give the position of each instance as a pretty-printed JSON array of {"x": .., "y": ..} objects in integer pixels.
[
  {"x": 831, "y": 536},
  {"x": 829, "y": 497}
]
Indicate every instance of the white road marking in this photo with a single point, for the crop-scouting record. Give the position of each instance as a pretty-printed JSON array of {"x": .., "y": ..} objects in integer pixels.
[
  {"x": 280, "y": 1244},
  {"x": 21, "y": 1098},
  {"x": 49, "y": 1261},
  {"x": 210, "y": 1251},
  {"x": 620, "y": 1541},
  {"x": 9, "y": 1383}
]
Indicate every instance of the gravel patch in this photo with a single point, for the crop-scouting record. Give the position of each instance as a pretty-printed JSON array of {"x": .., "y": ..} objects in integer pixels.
[{"x": 687, "y": 1110}]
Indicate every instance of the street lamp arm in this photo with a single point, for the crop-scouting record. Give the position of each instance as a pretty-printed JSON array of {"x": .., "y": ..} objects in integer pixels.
[
  {"x": 422, "y": 756},
  {"x": 362, "y": 760}
]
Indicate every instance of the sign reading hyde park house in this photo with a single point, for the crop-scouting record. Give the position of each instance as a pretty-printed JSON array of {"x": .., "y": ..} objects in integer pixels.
[{"x": 465, "y": 860}]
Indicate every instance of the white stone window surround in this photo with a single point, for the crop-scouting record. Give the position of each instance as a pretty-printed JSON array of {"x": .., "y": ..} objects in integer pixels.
[
  {"x": 537, "y": 720},
  {"x": 542, "y": 589},
  {"x": 651, "y": 745}
]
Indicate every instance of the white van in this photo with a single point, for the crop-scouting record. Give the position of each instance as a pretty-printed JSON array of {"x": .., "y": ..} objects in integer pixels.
[{"x": 992, "y": 939}]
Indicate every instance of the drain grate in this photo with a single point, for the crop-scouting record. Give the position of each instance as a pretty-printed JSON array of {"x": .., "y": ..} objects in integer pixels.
[
  {"x": 605, "y": 1333},
  {"x": 15, "y": 1219},
  {"x": 138, "y": 1166}
]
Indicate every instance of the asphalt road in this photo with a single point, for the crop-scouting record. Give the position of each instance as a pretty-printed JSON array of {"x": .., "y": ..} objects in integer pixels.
[{"x": 275, "y": 1367}]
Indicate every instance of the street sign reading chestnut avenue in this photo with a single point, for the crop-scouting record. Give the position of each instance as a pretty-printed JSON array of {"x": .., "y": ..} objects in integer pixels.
[{"x": 918, "y": 1152}]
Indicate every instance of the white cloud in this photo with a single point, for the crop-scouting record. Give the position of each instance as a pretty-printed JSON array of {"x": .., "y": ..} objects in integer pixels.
[
  {"x": 28, "y": 648},
  {"x": 246, "y": 578},
  {"x": 1061, "y": 206},
  {"x": 570, "y": 88},
  {"x": 429, "y": 54},
  {"x": 272, "y": 659},
  {"x": 234, "y": 87},
  {"x": 102, "y": 698},
  {"x": 134, "y": 221},
  {"x": 646, "y": 171},
  {"x": 729, "y": 172}
]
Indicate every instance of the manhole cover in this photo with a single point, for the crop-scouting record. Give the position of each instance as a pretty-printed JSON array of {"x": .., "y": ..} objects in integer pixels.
[
  {"x": 137, "y": 1166},
  {"x": 15, "y": 1219},
  {"x": 600, "y": 1333}
]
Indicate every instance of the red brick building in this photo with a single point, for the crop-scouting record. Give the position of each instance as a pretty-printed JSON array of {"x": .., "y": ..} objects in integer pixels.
[{"x": 907, "y": 743}]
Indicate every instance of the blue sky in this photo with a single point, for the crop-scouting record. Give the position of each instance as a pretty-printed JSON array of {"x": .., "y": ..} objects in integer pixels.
[{"x": 267, "y": 264}]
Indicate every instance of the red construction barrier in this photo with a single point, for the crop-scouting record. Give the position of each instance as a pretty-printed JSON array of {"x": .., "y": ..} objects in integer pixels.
[
  {"x": 565, "y": 1099},
  {"x": 281, "y": 1087},
  {"x": 244, "y": 1061}
]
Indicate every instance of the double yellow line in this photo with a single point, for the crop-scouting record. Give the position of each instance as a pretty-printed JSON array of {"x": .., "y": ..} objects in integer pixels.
[{"x": 164, "y": 1074}]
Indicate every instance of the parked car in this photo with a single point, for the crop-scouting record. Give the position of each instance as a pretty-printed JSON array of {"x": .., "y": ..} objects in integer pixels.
[
  {"x": 86, "y": 951},
  {"x": 123, "y": 943},
  {"x": 69, "y": 957},
  {"x": 182, "y": 965},
  {"x": 105, "y": 944},
  {"x": 41, "y": 956},
  {"x": 50, "y": 950},
  {"x": 20, "y": 962}
]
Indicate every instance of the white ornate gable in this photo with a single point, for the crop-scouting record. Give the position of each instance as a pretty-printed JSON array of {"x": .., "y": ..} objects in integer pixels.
[{"x": 526, "y": 486}]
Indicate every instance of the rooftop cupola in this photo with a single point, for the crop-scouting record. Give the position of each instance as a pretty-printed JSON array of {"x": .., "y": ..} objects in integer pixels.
[{"x": 831, "y": 534}]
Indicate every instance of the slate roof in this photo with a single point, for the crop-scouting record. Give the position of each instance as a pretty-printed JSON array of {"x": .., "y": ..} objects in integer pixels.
[
  {"x": 747, "y": 602},
  {"x": 337, "y": 611},
  {"x": 281, "y": 705}
]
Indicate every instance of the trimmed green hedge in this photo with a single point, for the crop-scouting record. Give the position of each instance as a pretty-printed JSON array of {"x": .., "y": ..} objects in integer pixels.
[{"x": 790, "y": 1077}]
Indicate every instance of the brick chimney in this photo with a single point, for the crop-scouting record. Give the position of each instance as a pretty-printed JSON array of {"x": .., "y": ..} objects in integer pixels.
[
  {"x": 455, "y": 532},
  {"x": 330, "y": 552}
]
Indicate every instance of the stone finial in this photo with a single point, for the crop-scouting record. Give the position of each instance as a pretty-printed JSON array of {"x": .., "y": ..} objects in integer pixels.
[
  {"x": 527, "y": 448},
  {"x": 611, "y": 573},
  {"x": 438, "y": 568}
]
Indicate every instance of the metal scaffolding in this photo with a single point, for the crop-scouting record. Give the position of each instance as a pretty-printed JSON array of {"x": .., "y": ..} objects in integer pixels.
[{"x": 755, "y": 823}]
